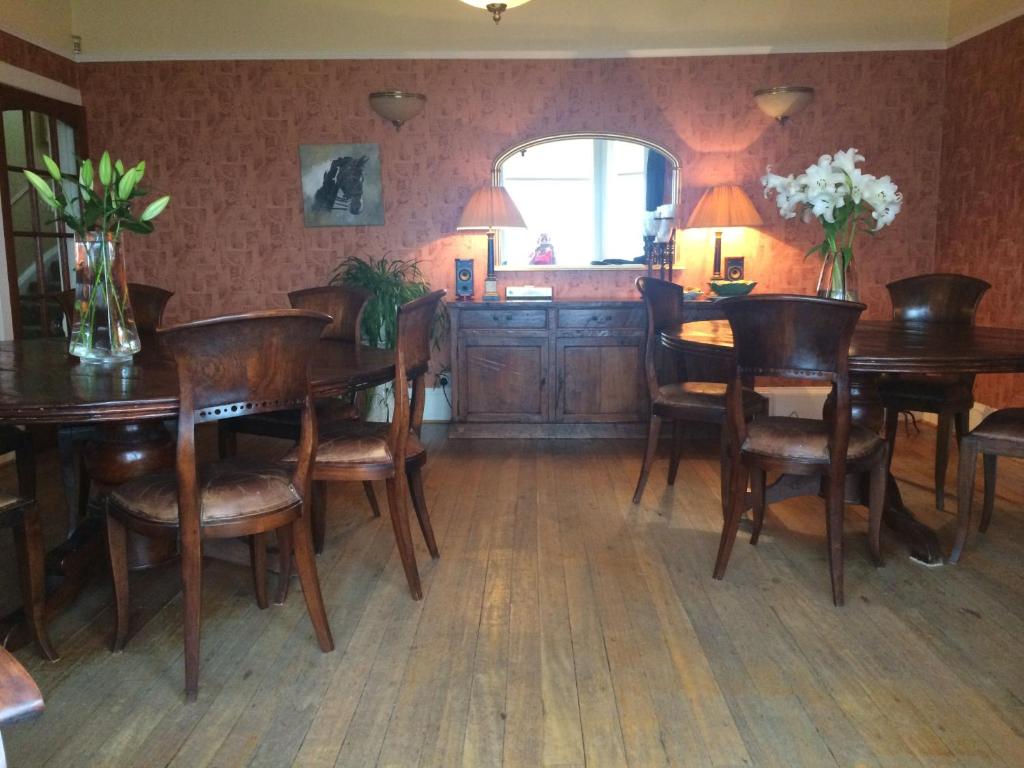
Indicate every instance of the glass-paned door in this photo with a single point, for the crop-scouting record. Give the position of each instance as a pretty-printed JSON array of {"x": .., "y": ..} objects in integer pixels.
[{"x": 40, "y": 252}]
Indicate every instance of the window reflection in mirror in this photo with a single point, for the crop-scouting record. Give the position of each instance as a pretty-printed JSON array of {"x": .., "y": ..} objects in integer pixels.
[{"x": 583, "y": 198}]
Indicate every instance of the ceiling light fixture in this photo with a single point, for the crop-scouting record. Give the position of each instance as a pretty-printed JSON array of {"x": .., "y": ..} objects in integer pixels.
[
  {"x": 397, "y": 107},
  {"x": 784, "y": 101},
  {"x": 495, "y": 9}
]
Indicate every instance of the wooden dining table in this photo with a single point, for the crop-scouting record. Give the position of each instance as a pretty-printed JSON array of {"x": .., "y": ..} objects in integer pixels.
[
  {"x": 881, "y": 348},
  {"x": 128, "y": 405}
]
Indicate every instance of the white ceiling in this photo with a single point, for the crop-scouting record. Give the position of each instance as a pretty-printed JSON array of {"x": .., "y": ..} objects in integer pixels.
[{"x": 114, "y": 30}]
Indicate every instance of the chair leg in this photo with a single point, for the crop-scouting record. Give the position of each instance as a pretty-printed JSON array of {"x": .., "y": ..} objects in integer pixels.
[
  {"x": 653, "y": 430},
  {"x": 892, "y": 426},
  {"x": 117, "y": 545},
  {"x": 876, "y": 506},
  {"x": 989, "y": 466},
  {"x": 942, "y": 458},
  {"x": 192, "y": 587},
  {"x": 834, "y": 514},
  {"x": 403, "y": 536},
  {"x": 305, "y": 563},
  {"x": 677, "y": 449},
  {"x": 961, "y": 425},
  {"x": 964, "y": 495},
  {"x": 758, "y": 479},
  {"x": 284, "y": 563},
  {"x": 419, "y": 504},
  {"x": 318, "y": 515},
  {"x": 258, "y": 562},
  {"x": 227, "y": 442},
  {"x": 737, "y": 494},
  {"x": 28, "y": 545},
  {"x": 371, "y": 497},
  {"x": 724, "y": 473}
]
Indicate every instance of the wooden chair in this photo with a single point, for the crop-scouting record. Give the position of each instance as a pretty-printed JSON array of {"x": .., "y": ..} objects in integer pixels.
[
  {"x": 392, "y": 452},
  {"x": 345, "y": 305},
  {"x": 999, "y": 434},
  {"x": 20, "y": 697},
  {"x": 148, "y": 305},
  {"x": 677, "y": 402},
  {"x": 936, "y": 298},
  {"x": 805, "y": 338},
  {"x": 250, "y": 363},
  {"x": 20, "y": 514}
]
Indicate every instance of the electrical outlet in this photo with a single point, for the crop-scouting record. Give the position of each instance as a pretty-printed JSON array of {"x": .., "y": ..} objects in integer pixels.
[{"x": 443, "y": 380}]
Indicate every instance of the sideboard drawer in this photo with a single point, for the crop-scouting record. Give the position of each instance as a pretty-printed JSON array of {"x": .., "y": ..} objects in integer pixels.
[
  {"x": 601, "y": 318},
  {"x": 504, "y": 318}
]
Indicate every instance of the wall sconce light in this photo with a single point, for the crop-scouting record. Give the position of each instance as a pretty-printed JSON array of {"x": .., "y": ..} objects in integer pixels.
[
  {"x": 785, "y": 101},
  {"x": 495, "y": 9},
  {"x": 397, "y": 107}
]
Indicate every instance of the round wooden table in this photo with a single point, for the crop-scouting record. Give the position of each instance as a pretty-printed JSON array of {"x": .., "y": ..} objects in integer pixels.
[
  {"x": 877, "y": 348},
  {"x": 41, "y": 384}
]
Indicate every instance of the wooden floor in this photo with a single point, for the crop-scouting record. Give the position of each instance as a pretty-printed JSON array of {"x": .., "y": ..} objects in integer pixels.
[{"x": 564, "y": 626}]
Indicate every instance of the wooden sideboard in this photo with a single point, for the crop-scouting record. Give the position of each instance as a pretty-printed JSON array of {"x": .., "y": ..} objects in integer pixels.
[{"x": 550, "y": 368}]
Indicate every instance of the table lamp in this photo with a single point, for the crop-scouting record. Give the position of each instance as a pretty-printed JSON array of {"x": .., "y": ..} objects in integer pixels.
[
  {"x": 719, "y": 208},
  {"x": 490, "y": 208}
]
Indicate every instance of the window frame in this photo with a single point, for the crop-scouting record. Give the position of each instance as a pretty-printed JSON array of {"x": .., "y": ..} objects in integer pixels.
[
  {"x": 16, "y": 99},
  {"x": 496, "y": 179}
]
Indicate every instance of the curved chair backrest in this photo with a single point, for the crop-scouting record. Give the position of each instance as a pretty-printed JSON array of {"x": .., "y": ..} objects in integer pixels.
[
  {"x": 793, "y": 337},
  {"x": 148, "y": 305},
  {"x": 412, "y": 356},
  {"x": 236, "y": 365},
  {"x": 663, "y": 300},
  {"x": 343, "y": 303},
  {"x": 937, "y": 298}
]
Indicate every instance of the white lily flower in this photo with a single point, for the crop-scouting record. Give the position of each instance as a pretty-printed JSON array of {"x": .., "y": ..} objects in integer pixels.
[{"x": 846, "y": 161}]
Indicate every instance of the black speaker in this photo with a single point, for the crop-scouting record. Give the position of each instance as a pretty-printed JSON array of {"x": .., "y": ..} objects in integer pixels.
[
  {"x": 463, "y": 279},
  {"x": 733, "y": 268}
]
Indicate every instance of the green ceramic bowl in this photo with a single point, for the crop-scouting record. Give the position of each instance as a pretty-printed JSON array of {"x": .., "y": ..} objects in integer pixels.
[{"x": 732, "y": 287}]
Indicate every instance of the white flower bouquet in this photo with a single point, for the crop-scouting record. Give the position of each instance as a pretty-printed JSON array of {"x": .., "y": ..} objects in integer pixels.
[{"x": 845, "y": 200}]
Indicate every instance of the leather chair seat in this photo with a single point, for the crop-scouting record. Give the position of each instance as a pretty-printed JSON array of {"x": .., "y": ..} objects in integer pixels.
[
  {"x": 359, "y": 443},
  {"x": 229, "y": 490},
  {"x": 926, "y": 393},
  {"x": 1007, "y": 424},
  {"x": 785, "y": 437},
  {"x": 703, "y": 399}
]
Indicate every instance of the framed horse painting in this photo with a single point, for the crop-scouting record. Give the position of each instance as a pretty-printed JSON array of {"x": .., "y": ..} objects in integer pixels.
[{"x": 341, "y": 185}]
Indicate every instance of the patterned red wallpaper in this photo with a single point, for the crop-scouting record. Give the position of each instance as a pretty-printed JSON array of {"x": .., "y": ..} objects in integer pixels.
[
  {"x": 981, "y": 225},
  {"x": 222, "y": 138},
  {"x": 20, "y": 53}
]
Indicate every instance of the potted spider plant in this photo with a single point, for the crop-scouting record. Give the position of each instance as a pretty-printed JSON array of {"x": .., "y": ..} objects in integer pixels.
[
  {"x": 97, "y": 206},
  {"x": 393, "y": 282}
]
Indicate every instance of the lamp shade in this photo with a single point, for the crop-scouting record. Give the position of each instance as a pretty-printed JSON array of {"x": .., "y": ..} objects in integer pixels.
[
  {"x": 397, "y": 107},
  {"x": 490, "y": 208},
  {"x": 724, "y": 206}
]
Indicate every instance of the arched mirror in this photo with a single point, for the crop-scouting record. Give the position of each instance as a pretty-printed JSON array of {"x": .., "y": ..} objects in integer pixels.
[{"x": 583, "y": 197}]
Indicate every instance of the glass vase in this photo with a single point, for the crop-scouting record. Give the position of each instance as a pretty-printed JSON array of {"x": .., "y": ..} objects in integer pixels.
[
  {"x": 837, "y": 282},
  {"x": 103, "y": 330}
]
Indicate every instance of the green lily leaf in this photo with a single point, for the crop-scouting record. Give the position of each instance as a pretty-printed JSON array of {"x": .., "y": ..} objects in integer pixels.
[
  {"x": 139, "y": 227},
  {"x": 106, "y": 171},
  {"x": 155, "y": 208},
  {"x": 52, "y": 167},
  {"x": 119, "y": 167},
  {"x": 140, "y": 171}
]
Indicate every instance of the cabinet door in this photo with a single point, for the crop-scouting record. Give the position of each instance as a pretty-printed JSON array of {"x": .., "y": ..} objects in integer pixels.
[
  {"x": 503, "y": 378},
  {"x": 600, "y": 379}
]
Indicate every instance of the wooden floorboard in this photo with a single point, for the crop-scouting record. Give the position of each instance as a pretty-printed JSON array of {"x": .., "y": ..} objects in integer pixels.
[{"x": 562, "y": 626}]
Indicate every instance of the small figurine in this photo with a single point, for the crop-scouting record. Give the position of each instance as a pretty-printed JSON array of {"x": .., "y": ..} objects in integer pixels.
[{"x": 544, "y": 253}]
